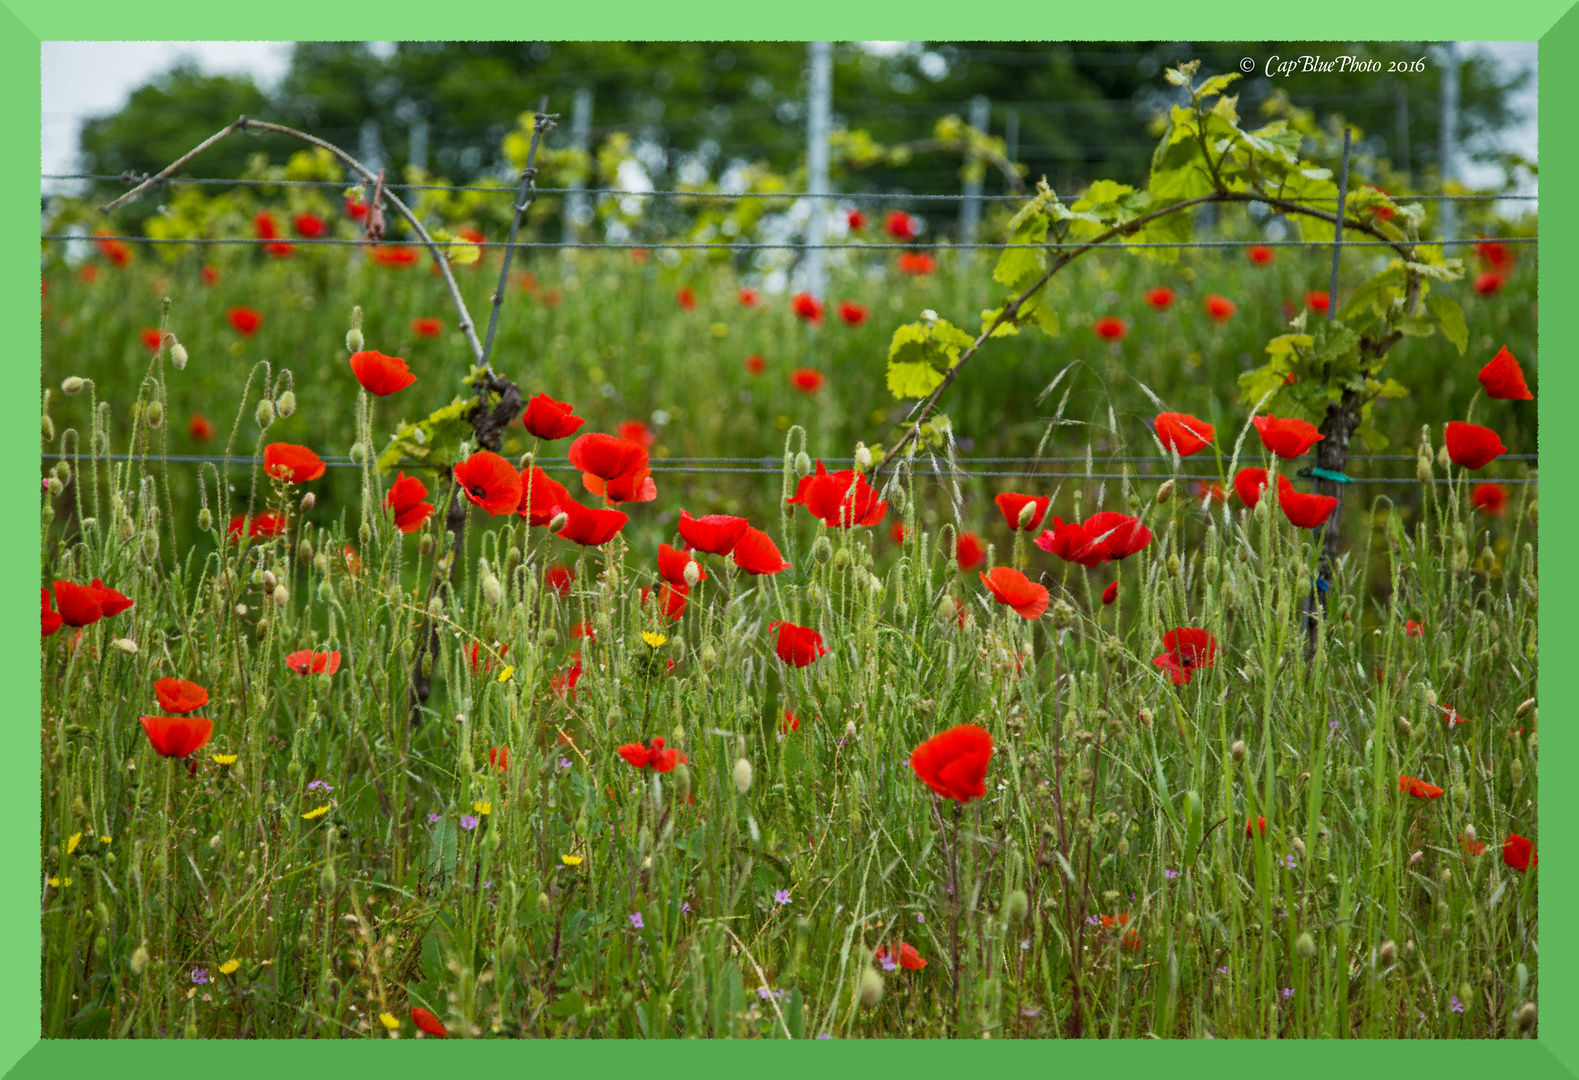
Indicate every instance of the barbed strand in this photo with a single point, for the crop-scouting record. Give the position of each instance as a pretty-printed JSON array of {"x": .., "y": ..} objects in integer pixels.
[
  {"x": 620, "y": 193},
  {"x": 937, "y": 245}
]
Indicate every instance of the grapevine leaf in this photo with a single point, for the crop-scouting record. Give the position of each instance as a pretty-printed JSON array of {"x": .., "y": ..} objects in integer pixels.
[{"x": 1451, "y": 318}]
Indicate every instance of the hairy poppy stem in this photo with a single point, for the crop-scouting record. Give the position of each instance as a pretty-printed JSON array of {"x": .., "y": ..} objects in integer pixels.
[{"x": 953, "y": 881}]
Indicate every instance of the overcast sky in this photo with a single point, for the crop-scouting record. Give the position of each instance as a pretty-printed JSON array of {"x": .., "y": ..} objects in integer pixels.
[{"x": 90, "y": 78}]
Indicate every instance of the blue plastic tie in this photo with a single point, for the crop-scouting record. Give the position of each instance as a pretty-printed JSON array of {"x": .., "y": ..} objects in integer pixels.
[{"x": 1327, "y": 474}]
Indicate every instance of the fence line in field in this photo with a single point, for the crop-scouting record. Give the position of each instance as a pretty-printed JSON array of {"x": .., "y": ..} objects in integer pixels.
[
  {"x": 767, "y": 466},
  {"x": 503, "y": 189}
]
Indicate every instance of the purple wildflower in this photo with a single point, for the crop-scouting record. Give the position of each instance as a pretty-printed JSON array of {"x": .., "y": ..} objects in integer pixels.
[
  {"x": 200, "y": 976},
  {"x": 432, "y": 818},
  {"x": 781, "y": 897},
  {"x": 920, "y": 917},
  {"x": 1028, "y": 1011},
  {"x": 636, "y": 920},
  {"x": 1170, "y": 874},
  {"x": 564, "y": 763},
  {"x": 1288, "y": 991},
  {"x": 1456, "y": 1005},
  {"x": 468, "y": 822},
  {"x": 319, "y": 785},
  {"x": 888, "y": 962}
]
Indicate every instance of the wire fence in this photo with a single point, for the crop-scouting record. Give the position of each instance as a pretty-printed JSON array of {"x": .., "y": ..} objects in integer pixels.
[{"x": 772, "y": 466}]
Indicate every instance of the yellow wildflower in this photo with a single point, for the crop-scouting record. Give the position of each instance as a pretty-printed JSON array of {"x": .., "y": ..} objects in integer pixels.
[
  {"x": 389, "y": 1021},
  {"x": 483, "y": 808},
  {"x": 104, "y": 839},
  {"x": 56, "y": 883},
  {"x": 229, "y": 967},
  {"x": 653, "y": 640},
  {"x": 314, "y": 815},
  {"x": 571, "y": 860},
  {"x": 224, "y": 759},
  {"x": 71, "y": 845},
  {"x": 504, "y": 676}
]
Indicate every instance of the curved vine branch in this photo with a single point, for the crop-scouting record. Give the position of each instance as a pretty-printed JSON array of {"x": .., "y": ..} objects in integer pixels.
[
  {"x": 924, "y": 408},
  {"x": 244, "y": 124}
]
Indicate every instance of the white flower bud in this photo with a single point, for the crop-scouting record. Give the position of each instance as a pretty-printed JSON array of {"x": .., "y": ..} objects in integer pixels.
[
  {"x": 1239, "y": 750},
  {"x": 742, "y": 775},
  {"x": 309, "y": 501},
  {"x": 282, "y": 595},
  {"x": 354, "y": 340},
  {"x": 693, "y": 573},
  {"x": 863, "y": 456},
  {"x": 1027, "y": 512},
  {"x": 73, "y": 384},
  {"x": 491, "y": 589},
  {"x": 265, "y": 413},
  {"x": 125, "y": 645},
  {"x": 871, "y": 987},
  {"x": 178, "y": 356},
  {"x": 849, "y": 731},
  {"x": 286, "y": 404},
  {"x": 803, "y": 463}
]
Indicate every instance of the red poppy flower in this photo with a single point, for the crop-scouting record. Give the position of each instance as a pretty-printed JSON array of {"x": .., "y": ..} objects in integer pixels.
[
  {"x": 672, "y": 563},
  {"x": 954, "y": 763},
  {"x": 639, "y": 256},
  {"x": 355, "y": 208},
  {"x": 1119, "y": 534},
  {"x": 749, "y": 297},
  {"x": 1110, "y": 328},
  {"x": 1013, "y": 589},
  {"x": 393, "y": 255},
  {"x": 210, "y": 274},
  {"x": 755, "y": 364},
  {"x": 111, "y": 602},
  {"x": 905, "y": 955},
  {"x": 1187, "y": 649},
  {"x": 291, "y": 463},
  {"x": 1471, "y": 847},
  {"x": 180, "y": 696},
  {"x": 427, "y": 327},
  {"x": 1160, "y": 298},
  {"x": 590, "y": 527},
  {"x": 550, "y": 298},
  {"x": 50, "y": 619},
  {"x": 969, "y": 552},
  {"x": 1489, "y": 283},
  {"x": 1412, "y": 628},
  {"x": 1183, "y": 433},
  {"x": 200, "y": 428},
  {"x": 310, "y": 226},
  {"x": 715, "y": 534},
  {"x": 405, "y": 498},
  {"x": 1519, "y": 853},
  {"x": 1260, "y": 824},
  {"x": 482, "y": 661},
  {"x": 279, "y": 249},
  {"x": 1495, "y": 254},
  {"x": 1071, "y": 542},
  {"x": 686, "y": 298},
  {"x": 1260, "y": 255},
  {"x": 1220, "y": 308},
  {"x": 916, "y": 263},
  {"x": 674, "y": 597},
  {"x": 788, "y": 723},
  {"x": 900, "y": 225},
  {"x": 559, "y": 578},
  {"x": 305, "y": 661},
  {"x": 1249, "y": 484},
  {"x": 652, "y": 756},
  {"x": 756, "y": 553},
  {"x": 896, "y": 532},
  {"x": 499, "y": 757},
  {"x": 853, "y": 314},
  {"x": 1419, "y": 788},
  {"x": 797, "y": 645},
  {"x": 1490, "y": 499},
  {"x": 583, "y": 630},
  {"x": 382, "y": 375},
  {"x": 177, "y": 736},
  {"x": 1110, "y": 593},
  {"x": 550, "y": 419},
  {"x": 637, "y": 432},
  {"x": 616, "y": 468},
  {"x": 490, "y": 482},
  {"x": 1472, "y": 446},
  {"x": 1304, "y": 511},
  {"x": 1207, "y": 492},
  {"x": 152, "y": 338},
  {"x": 1318, "y": 301},
  {"x": 264, "y": 227},
  {"x": 1503, "y": 378},
  {"x": 1132, "y": 939},
  {"x": 1287, "y": 438},
  {"x": 114, "y": 250},
  {"x": 806, "y": 380},
  {"x": 244, "y": 319},
  {"x": 80, "y": 605},
  {"x": 839, "y": 499},
  {"x": 90, "y": 272},
  {"x": 1012, "y": 504},
  {"x": 428, "y": 1022},
  {"x": 266, "y": 525},
  {"x": 807, "y": 307},
  {"x": 854, "y": 220}
]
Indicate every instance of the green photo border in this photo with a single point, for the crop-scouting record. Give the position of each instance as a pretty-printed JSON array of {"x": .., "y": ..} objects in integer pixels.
[{"x": 26, "y": 23}]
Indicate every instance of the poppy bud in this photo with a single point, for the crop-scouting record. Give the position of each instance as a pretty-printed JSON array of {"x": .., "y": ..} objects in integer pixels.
[
  {"x": 139, "y": 960},
  {"x": 282, "y": 595},
  {"x": 265, "y": 413},
  {"x": 693, "y": 573},
  {"x": 267, "y": 579},
  {"x": 849, "y": 731},
  {"x": 1527, "y": 1016},
  {"x": 708, "y": 656},
  {"x": 822, "y": 549},
  {"x": 309, "y": 501},
  {"x": 321, "y": 562},
  {"x": 101, "y": 914},
  {"x": 425, "y": 545},
  {"x": 357, "y": 454},
  {"x": 1469, "y": 833},
  {"x": 47, "y": 428},
  {"x": 125, "y": 645},
  {"x": 1165, "y": 492},
  {"x": 491, "y": 589},
  {"x": 128, "y": 528},
  {"x": 73, "y": 384},
  {"x": 286, "y": 404},
  {"x": 549, "y": 637},
  {"x": 178, "y": 356},
  {"x": 436, "y": 606},
  {"x": 1516, "y": 772},
  {"x": 354, "y": 340},
  {"x": 1299, "y": 846},
  {"x": 1145, "y": 717},
  {"x": 1238, "y": 750},
  {"x": 1015, "y": 907},
  {"x": 1423, "y": 467},
  {"x": 1063, "y": 614},
  {"x": 155, "y": 414},
  {"x": 508, "y": 949},
  {"x": 1173, "y": 565},
  {"x": 871, "y": 987},
  {"x": 1447, "y": 876},
  {"x": 803, "y": 463},
  {"x": 543, "y": 905},
  {"x": 1416, "y": 859},
  {"x": 863, "y": 457},
  {"x": 1387, "y": 953},
  {"x": 1305, "y": 946},
  {"x": 841, "y": 558},
  {"x": 55, "y": 486},
  {"x": 558, "y": 521},
  {"x": 1442, "y": 457},
  {"x": 742, "y": 775}
]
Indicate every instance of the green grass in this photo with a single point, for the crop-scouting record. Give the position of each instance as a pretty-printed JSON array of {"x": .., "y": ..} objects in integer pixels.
[{"x": 1112, "y": 791}]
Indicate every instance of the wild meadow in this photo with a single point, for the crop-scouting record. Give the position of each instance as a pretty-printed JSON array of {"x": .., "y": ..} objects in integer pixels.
[{"x": 390, "y": 723}]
